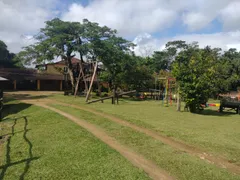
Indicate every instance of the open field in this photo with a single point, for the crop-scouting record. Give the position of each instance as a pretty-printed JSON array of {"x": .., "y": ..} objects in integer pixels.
[
  {"x": 135, "y": 125},
  {"x": 212, "y": 131},
  {"x": 166, "y": 157},
  {"x": 40, "y": 144}
]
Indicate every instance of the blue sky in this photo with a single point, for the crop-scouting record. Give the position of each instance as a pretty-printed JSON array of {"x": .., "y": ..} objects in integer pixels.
[{"x": 149, "y": 24}]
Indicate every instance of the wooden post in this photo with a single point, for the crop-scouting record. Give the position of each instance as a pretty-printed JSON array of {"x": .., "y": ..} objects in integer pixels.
[
  {"x": 110, "y": 97},
  {"x": 78, "y": 80},
  {"x": 99, "y": 85},
  {"x": 93, "y": 77},
  {"x": 166, "y": 93},
  {"x": 178, "y": 99},
  {"x": 117, "y": 98},
  {"x": 38, "y": 85},
  {"x": 114, "y": 95},
  {"x": 61, "y": 85},
  {"x": 83, "y": 75},
  {"x": 15, "y": 85}
]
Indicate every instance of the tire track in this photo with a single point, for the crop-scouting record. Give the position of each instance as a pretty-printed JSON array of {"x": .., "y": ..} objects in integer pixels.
[
  {"x": 218, "y": 161},
  {"x": 136, "y": 159}
]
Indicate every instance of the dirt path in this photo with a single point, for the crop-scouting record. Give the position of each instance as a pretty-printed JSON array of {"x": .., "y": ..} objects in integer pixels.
[
  {"x": 218, "y": 161},
  {"x": 136, "y": 159}
]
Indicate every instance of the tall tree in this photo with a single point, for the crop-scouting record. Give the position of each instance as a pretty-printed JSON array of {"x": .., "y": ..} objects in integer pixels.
[
  {"x": 6, "y": 58},
  {"x": 56, "y": 39},
  {"x": 173, "y": 48},
  {"x": 64, "y": 39},
  {"x": 89, "y": 42},
  {"x": 112, "y": 53}
]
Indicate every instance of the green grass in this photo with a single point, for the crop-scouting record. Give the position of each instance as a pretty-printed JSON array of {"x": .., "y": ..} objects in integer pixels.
[
  {"x": 179, "y": 164},
  {"x": 45, "y": 145},
  {"x": 211, "y": 131}
]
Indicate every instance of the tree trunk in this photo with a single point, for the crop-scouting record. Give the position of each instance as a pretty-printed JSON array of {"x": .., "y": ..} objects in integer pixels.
[
  {"x": 99, "y": 86},
  {"x": 84, "y": 79},
  {"x": 68, "y": 62},
  {"x": 114, "y": 95},
  {"x": 192, "y": 108},
  {"x": 72, "y": 80},
  {"x": 82, "y": 72},
  {"x": 93, "y": 77},
  {"x": 178, "y": 100}
]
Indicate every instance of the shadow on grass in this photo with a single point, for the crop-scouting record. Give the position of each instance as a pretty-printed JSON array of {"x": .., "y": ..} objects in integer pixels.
[
  {"x": 209, "y": 112},
  {"x": 10, "y": 97},
  {"x": 9, "y": 109},
  {"x": 27, "y": 161},
  {"x": 137, "y": 99}
]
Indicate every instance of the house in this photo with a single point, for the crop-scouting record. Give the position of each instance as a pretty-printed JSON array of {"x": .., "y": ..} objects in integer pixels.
[
  {"x": 49, "y": 76},
  {"x": 29, "y": 79}
]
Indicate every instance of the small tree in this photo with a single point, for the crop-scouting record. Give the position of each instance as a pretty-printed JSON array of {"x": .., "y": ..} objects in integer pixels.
[{"x": 195, "y": 75}]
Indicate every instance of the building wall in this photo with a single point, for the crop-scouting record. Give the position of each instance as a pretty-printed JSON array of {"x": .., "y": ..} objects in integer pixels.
[
  {"x": 50, "y": 85},
  {"x": 53, "y": 69}
]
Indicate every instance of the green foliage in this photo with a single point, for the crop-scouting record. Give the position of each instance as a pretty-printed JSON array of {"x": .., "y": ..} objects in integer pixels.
[
  {"x": 96, "y": 43},
  {"x": 231, "y": 68},
  {"x": 162, "y": 60},
  {"x": 6, "y": 58},
  {"x": 130, "y": 73},
  {"x": 195, "y": 70},
  {"x": 201, "y": 72}
]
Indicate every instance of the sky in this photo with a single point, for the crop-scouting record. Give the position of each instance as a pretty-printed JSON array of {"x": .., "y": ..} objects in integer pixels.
[{"x": 150, "y": 24}]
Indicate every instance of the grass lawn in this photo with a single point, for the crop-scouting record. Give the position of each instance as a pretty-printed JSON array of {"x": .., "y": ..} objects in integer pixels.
[
  {"x": 212, "y": 131},
  {"x": 179, "y": 164},
  {"x": 41, "y": 144}
]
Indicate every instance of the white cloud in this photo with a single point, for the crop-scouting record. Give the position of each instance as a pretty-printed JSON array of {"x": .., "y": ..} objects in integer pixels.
[
  {"x": 231, "y": 16},
  {"x": 146, "y": 45},
  {"x": 202, "y": 12},
  {"x": 127, "y": 16},
  {"x": 196, "y": 21},
  {"x": 224, "y": 40},
  {"x": 22, "y": 17},
  {"x": 131, "y": 17}
]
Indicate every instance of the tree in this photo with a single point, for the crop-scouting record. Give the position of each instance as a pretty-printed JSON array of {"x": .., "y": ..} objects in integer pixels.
[
  {"x": 160, "y": 61},
  {"x": 6, "y": 58},
  {"x": 231, "y": 60},
  {"x": 195, "y": 75},
  {"x": 173, "y": 48},
  {"x": 135, "y": 75},
  {"x": 64, "y": 39},
  {"x": 54, "y": 40},
  {"x": 89, "y": 42},
  {"x": 113, "y": 52}
]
